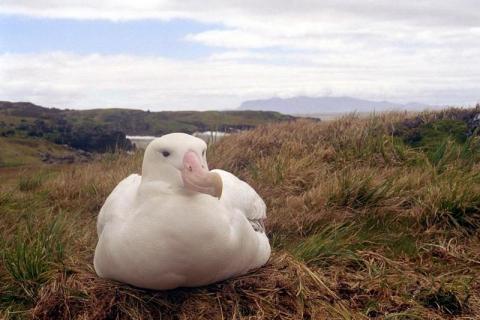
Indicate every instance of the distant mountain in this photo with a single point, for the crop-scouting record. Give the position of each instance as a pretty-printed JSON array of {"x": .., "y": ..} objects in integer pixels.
[{"x": 316, "y": 105}]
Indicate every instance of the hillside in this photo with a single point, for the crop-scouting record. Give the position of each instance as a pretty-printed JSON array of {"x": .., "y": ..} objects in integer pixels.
[
  {"x": 373, "y": 218},
  {"x": 321, "y": 105},
  {"x": 17, "y": 151},
  {"x": 105, "y": 129}
]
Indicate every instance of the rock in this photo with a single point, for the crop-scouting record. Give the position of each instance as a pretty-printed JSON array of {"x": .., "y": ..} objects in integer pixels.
[
  {"x": 78, "y": 156},
  {"x": 474, "y": 124}
]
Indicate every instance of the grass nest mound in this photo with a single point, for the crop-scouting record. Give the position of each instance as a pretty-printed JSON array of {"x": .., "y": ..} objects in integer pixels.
[{"x": 283, "y": 289}]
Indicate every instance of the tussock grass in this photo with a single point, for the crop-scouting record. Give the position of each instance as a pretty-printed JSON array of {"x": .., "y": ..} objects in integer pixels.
[
  {"x": 30, "y": 259},
  {"x": 30, "y": 256},
  {"x": 356, "y": 189},
  {"x": 30, "y": 183},
  {"x": 329, "y": 243},
  {"x": 363, "y": 222},
  {"x": 454, "y": 200}
]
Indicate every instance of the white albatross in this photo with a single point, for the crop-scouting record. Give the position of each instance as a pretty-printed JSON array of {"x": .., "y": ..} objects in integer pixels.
[{"x": 179, "y": 224}]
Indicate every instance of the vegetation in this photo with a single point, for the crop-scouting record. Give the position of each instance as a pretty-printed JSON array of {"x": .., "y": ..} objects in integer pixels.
[
  {"x": 19, "y": 151},
  {"x": 364, "y": 222},
  {"x": 105, "y": 129}
]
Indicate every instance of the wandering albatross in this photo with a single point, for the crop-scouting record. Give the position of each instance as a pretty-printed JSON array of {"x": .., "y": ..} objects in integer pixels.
[{"x": 179, "y": 224}]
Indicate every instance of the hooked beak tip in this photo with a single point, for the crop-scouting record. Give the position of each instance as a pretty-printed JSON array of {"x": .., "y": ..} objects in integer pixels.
[{"x": 197, "y": 177}]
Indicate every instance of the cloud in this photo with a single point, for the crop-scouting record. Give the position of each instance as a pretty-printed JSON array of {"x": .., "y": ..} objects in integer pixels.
[
  {"x": 410, "y": 50},
  {"x": 76, "y": 81},
  {"x": 421, "y": 12},
  {"x": 341, "y": 25}
]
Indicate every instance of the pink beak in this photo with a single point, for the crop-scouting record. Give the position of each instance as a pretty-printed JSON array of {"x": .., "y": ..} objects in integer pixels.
[{"x": 196, "y": 176}]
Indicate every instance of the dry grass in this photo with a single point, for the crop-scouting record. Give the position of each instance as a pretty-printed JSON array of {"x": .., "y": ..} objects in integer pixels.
[
  {"x": 362, "y": 225},
  {"x": 283, "y": 289}
]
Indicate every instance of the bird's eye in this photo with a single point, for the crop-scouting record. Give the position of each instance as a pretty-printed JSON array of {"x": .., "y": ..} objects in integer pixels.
[
  {"x": 203, "y": 153},
  {"x": 165, "y": 153}
]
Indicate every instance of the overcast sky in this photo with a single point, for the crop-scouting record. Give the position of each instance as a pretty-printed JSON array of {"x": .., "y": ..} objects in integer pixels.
[{"x": 214, "y": 54}]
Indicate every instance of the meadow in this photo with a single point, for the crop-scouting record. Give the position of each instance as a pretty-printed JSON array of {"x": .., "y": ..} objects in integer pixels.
[{"x": 369, "y": 218}]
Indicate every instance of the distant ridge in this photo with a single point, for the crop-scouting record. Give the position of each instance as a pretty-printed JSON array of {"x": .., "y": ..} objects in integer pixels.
[
  {"x": 314, "y": 105},
  {"x": 101, "y": 130}
]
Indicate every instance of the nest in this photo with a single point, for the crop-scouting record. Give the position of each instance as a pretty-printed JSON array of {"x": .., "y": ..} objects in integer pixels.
[{"x": 282, "y": 289}]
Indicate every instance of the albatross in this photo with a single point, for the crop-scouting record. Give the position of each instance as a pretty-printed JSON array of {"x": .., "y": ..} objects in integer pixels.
[{"x": 180, "y": 224}]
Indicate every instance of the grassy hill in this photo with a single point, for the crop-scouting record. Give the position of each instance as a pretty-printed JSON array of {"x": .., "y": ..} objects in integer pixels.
[
  {"x": 105, "y": 129},
  {"x": 373, "y": 218},
  {"x": 17, "y": 151}
]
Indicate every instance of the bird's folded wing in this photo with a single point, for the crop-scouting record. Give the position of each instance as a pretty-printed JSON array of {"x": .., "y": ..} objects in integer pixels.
[
  {"x": 240, "y": 196},
  {"x": 119, "y": 203}
]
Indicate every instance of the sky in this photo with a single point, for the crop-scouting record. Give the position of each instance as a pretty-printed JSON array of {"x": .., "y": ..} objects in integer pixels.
[{"x": 215, "y": 54}]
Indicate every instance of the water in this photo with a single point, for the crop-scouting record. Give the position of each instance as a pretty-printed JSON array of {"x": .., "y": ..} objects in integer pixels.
[{"x": 141, "y": 142}]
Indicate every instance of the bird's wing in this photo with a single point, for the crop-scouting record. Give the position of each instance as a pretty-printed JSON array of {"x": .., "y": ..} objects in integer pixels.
[
  {"x": 120, "y": 202},
  {"x": 240, "y": 196}
]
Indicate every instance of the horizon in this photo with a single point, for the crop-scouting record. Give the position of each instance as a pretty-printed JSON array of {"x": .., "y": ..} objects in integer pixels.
[
  {"x": 405, "y": 107},
  {"x": 214, "y": 56}
]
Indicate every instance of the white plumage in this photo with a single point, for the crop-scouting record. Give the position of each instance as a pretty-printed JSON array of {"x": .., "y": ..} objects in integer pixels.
[{"x": 171, "y": 227}]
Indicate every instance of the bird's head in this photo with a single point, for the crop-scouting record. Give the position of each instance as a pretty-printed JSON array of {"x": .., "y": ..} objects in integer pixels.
[{"x": 180, "y": 160}]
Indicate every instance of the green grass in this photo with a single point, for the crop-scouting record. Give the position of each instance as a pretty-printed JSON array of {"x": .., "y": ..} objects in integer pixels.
[
  {"x": 433, "y": 133},
  {"x": 458, "y": 206},
  {"x": 17, "y": 152},
  {"x": 357, "y": 190},
  {"x": 29, "y": 183},
  {"x": 29, "y": 259},
  {"x": 329, "y": 242}
]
